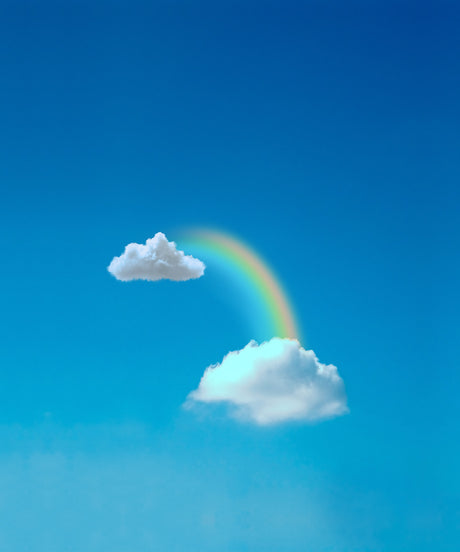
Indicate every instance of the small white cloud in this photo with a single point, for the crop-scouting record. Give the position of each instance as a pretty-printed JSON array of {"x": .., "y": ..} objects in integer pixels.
[
  {"x": 277, "y": 381},
  {"x": 158, "y": 259}
]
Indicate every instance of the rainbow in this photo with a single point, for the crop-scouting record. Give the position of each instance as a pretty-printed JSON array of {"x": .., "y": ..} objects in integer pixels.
[{"x": 262, "y": 279}]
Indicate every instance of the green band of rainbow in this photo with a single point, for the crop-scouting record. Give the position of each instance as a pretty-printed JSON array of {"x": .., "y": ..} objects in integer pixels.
[{"x": 263, "y": 279}]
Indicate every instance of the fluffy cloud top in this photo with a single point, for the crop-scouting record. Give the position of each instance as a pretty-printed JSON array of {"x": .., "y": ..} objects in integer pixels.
[
  {"x": 158, "y": 259},
  {"x": 277, "y": 381}
]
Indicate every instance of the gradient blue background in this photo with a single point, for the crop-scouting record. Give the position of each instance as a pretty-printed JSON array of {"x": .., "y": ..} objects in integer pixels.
[{"x": 325, "y": 134}]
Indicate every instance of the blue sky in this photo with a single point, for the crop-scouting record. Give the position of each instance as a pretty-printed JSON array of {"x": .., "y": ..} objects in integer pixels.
[{"x": 323, "y": 134}]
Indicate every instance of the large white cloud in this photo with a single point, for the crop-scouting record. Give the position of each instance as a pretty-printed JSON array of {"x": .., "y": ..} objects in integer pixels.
[
  {"x": 277, "y": 381},
  {"x": 158, "y": 259}
]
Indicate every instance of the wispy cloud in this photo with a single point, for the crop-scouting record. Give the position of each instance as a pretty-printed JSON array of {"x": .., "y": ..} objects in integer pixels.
[
  {"x": 158, "y": 259},
  {"x": 276, "y": 381}
]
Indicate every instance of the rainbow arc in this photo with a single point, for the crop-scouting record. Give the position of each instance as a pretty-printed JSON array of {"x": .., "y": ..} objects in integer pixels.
[{"x": 262, "y": 278}]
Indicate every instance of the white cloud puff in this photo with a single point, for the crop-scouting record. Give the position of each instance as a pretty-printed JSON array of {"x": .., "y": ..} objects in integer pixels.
[
  {"x": 158, "y": 259},
  {"x": 277, "y": 381}
]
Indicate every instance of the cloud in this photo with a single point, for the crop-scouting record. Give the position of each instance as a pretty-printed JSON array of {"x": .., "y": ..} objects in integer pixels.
[
  {"x": 158, "y": 259},
  {"x": 277, "y": 381}
]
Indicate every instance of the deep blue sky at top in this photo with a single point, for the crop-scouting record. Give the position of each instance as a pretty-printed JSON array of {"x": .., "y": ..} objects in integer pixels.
[{"x": 325, "y": 134}]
